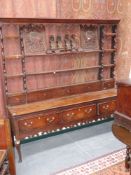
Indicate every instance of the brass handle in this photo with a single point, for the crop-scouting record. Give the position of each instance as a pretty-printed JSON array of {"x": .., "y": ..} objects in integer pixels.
[
  {"x": 70, "y": 114},
  {"x": 88, "y": 111},
  {"x": 50, "y": 120},
  {"x": 106, "y": 107},
  {"x": 28, "y": 123}
]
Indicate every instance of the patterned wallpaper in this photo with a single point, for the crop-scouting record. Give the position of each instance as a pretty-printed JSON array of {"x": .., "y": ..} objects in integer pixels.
[{"x": 98, "y": 9}]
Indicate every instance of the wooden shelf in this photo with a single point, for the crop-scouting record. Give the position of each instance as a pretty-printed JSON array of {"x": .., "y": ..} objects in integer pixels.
[
  {"x": 14, "y": 76},
  {"x": 12, "y": 57},
  {"x": 11, "y": 37},
  {"x": 52, "y": 87},
  {"x": 108, "y": 79},
  {"x": 53, "y": 53},
  {"x": 66, "y": 70},
  {"x": 65, "y": 52},
  {"x": 61, "y": 102},
  {"x": 58, "y": 20},
  {"x": 109, "y": 50},
  {"x": 110, "y": 34},
  {"x": 11, "y": 94},
  {"x": 108, "y": 65},
  {"x": 51, "y": 72}
]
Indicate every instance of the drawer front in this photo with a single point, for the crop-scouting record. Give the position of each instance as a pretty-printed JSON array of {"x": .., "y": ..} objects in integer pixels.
[
  {"x": 107, "y": 108},
  {"x": 79, "y": 114},
  {"x": 108, "y": 84},
  {"x": 37, "y": 122}
]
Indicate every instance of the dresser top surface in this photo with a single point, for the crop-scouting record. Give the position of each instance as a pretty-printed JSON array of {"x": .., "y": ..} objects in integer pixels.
[
  {"x": 61, "y": 102},
  {"x": 125, "y": 82}
]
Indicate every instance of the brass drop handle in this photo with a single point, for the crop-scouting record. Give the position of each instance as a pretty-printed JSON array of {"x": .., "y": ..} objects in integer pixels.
[
  {"x": 28, "y": 123},
  {"x": 70, "y": 114},
  {"x": 50, "y": 120},
  {"x": 88, "y": 111},
  {"x": 106, "y": 107}
]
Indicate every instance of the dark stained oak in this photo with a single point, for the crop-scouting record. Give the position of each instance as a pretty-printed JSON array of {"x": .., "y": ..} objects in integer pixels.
[
  {"x": 51, "y": 93},
  {"x": 56, "y": 75},
  {"x": 30, "y": 119}
]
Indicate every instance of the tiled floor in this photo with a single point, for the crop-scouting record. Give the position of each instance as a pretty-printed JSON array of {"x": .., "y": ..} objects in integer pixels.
[{"x": 53, "y": 154}]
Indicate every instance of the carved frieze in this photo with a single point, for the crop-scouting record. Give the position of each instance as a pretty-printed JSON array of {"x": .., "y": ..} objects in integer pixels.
[{"x": 34, "y": 39}]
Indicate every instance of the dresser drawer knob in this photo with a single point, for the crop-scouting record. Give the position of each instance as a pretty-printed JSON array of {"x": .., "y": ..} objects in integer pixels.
[{"x": 68, "y": 114}]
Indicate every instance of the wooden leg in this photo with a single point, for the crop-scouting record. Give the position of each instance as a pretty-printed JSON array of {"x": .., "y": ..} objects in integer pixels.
[
  {"x": 128, "y": 158},
  {"x": 18, "y": 148},
  {"x": 130, "y": 165}
]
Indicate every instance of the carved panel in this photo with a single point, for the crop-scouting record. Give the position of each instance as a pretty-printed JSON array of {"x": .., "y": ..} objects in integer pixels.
[
  {"x": 89, "y": 37},
  {"x": 34, "y": 39}
]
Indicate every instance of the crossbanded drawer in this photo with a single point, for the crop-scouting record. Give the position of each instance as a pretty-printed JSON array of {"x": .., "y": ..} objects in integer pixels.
[
  {"x": 107, "y": 108},
  {"x": 85, "y": 113},
  {"x": 37, "y": 122}
]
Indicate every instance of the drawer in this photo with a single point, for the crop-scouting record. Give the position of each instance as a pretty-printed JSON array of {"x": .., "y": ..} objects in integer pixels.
[
  {"x": 85, "y": 113},
  {"x": 107, "y": 108},
  {"x": 108, "y": 84},
  {"x": 37, "y": 122}
]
